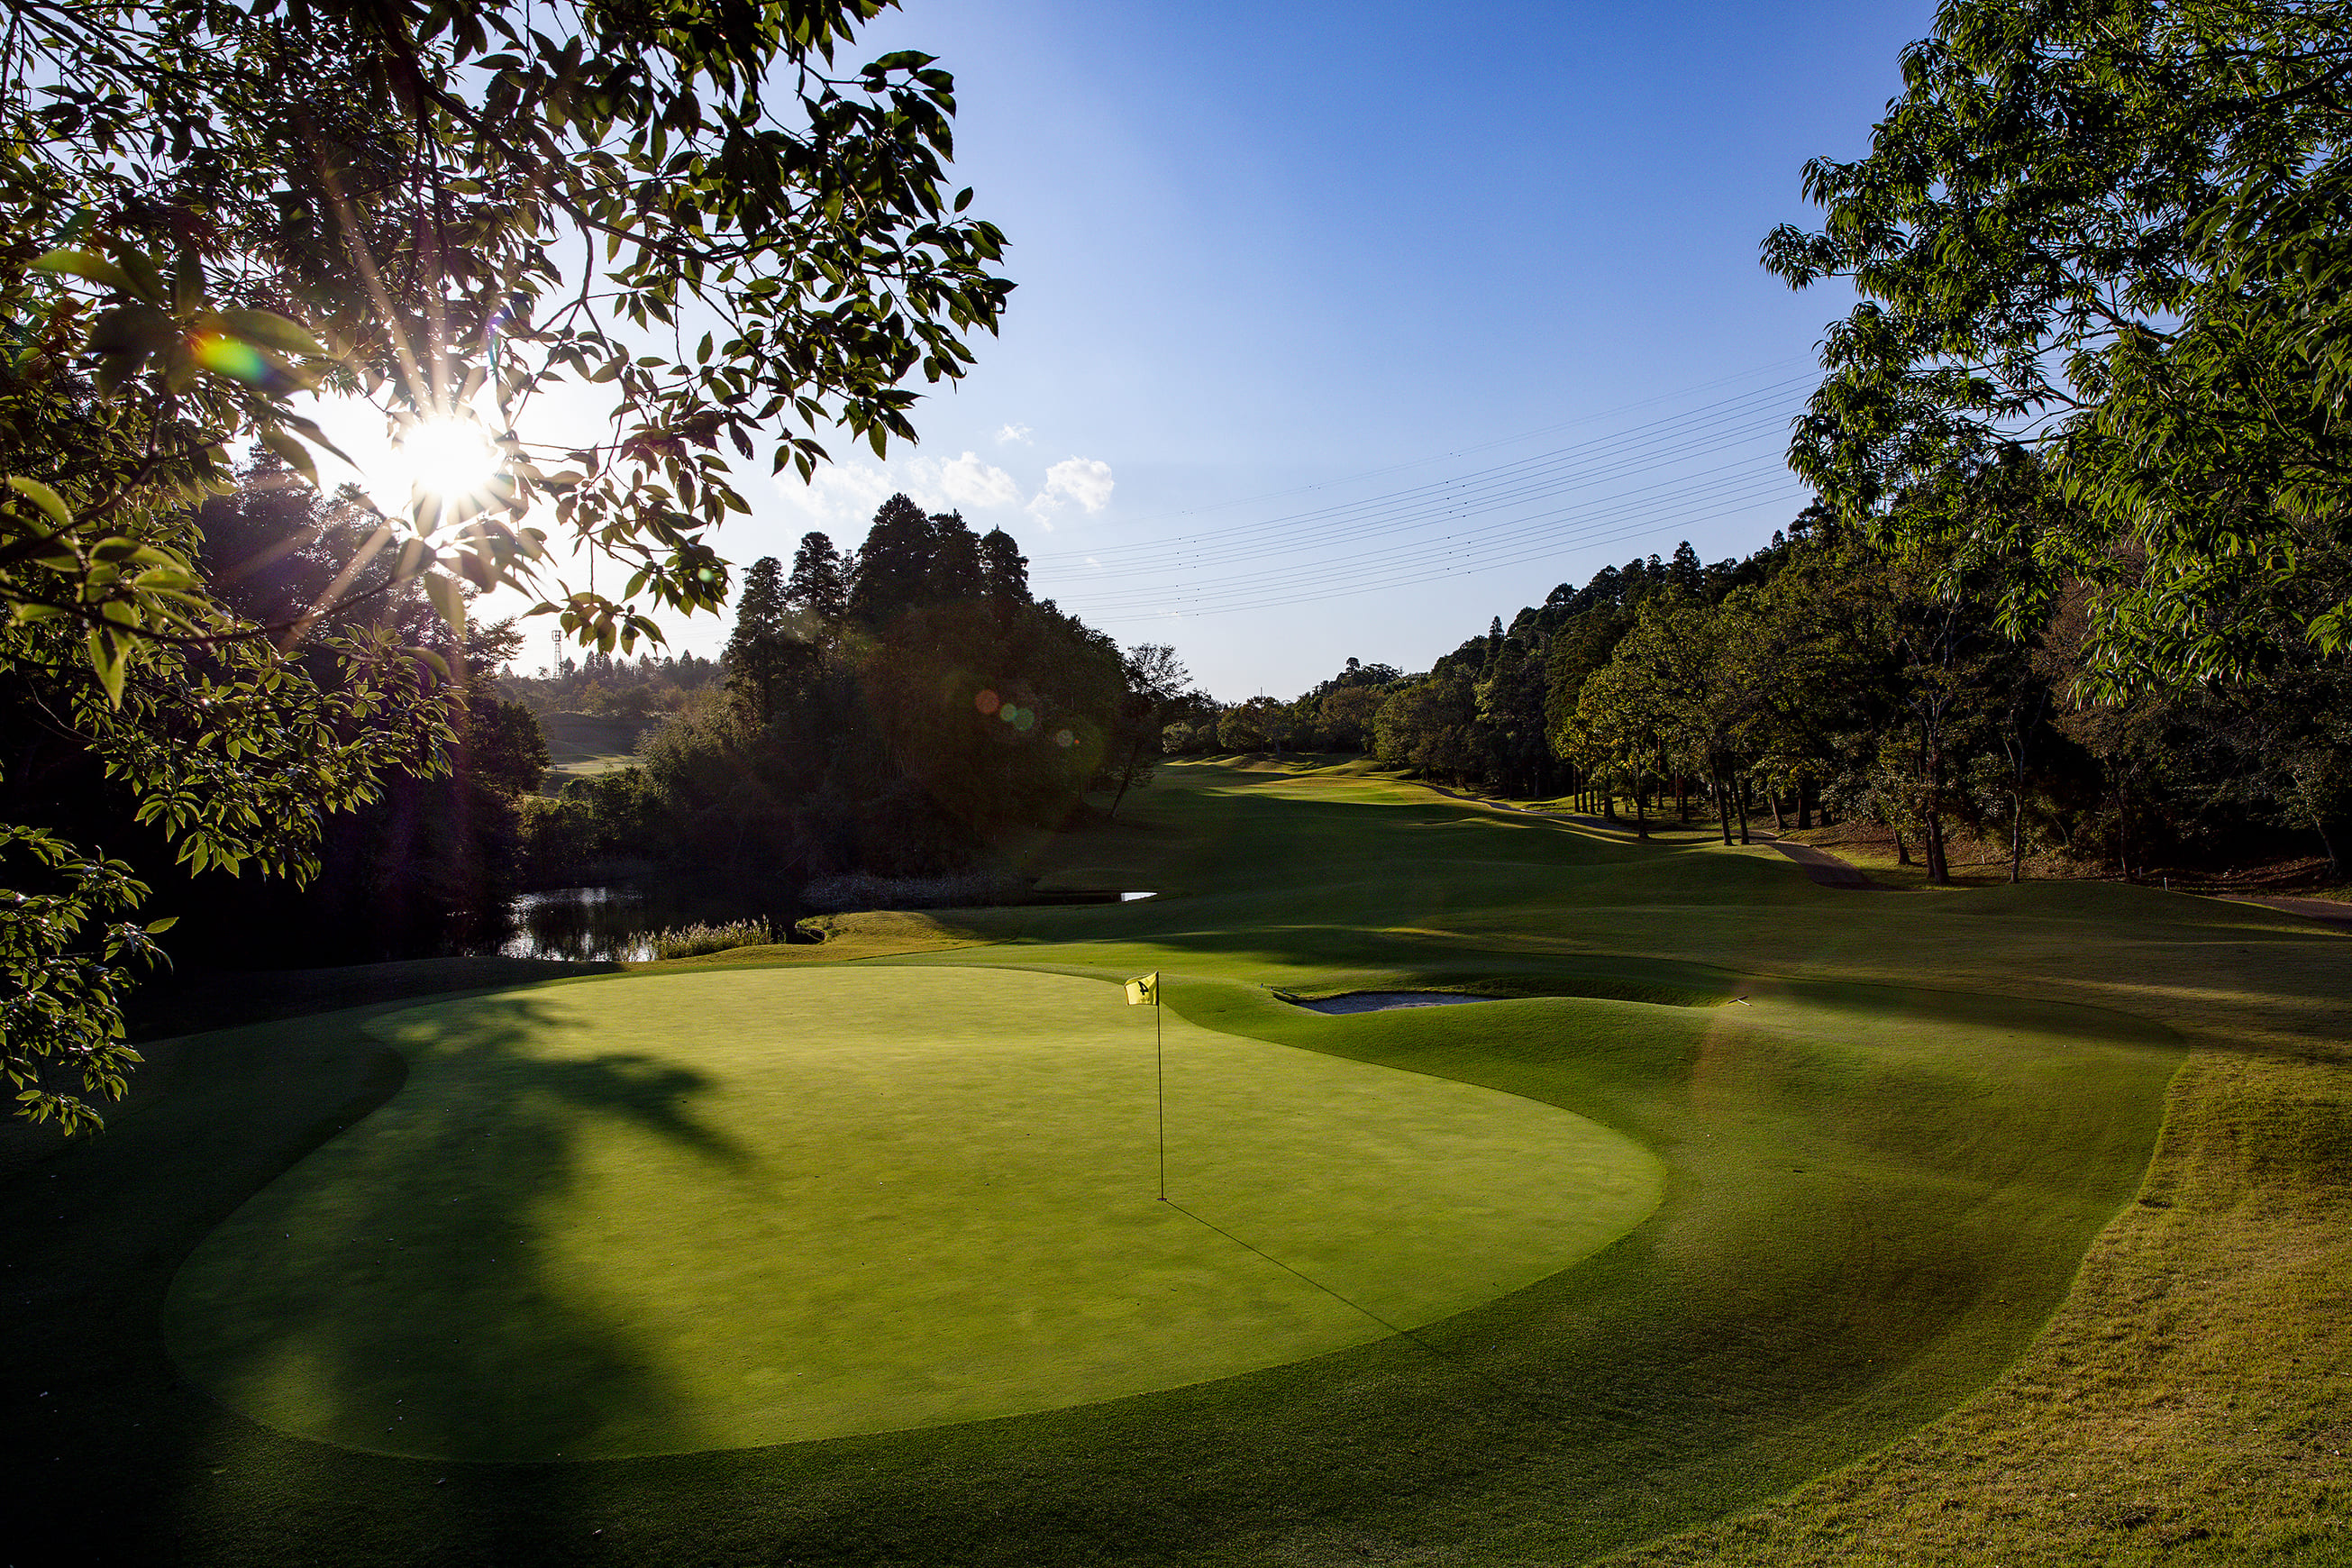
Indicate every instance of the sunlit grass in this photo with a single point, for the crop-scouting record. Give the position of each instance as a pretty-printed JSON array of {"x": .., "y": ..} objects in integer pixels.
[{"x": 693, "y": 940}]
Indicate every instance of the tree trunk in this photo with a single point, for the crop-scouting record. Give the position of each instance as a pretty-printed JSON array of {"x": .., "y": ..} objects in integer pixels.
[
  {"x": 1126, "y": 775},
  {"x": 2326, "y": 842},
  {"x": 1804, "y": 804},
  {"x": 1940, "y": 868},
  {"x": 2017, "y": 840},
  {"x": 1743, "y": 811},
  {"x": 2123, "y": 834},
  {"x": 1902, "y": 850},
  {"x": 1774, "y": 796},
  {"x": 1722, "y": 787}
]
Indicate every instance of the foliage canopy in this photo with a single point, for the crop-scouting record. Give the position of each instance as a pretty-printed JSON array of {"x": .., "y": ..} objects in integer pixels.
[
  {"x": 698, "y": 216},
  {"x": 2108, "y": 234}
]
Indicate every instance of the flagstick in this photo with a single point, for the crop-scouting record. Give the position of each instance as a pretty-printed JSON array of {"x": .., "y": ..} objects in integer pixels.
[{"x": 1159, "y": 1063}]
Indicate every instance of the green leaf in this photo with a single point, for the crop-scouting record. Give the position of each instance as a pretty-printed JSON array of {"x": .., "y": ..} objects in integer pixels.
[
  {"x": 297, "y": 455},
  {"x": 144, "y": 279},
  {"x": 272, "y": 331},
  {"x": 42, "y": 496},
  {"x": 133, "y": 328},
  {"x": 110, "y": 661},
  {"x": 316, "y": 437},
  {"x": 166, "y": 924},
  {"x": 448, "y": 596},
  {"x": 96, "y": 268}
]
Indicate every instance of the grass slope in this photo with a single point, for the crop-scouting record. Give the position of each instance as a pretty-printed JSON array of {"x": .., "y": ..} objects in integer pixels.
[{"x": 1882, "y": 1175}]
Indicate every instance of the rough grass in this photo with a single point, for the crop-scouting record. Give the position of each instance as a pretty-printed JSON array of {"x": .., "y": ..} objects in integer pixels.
[
  {"x": 695, "y": 940},
  {"x": 1899, "y": 1268}
]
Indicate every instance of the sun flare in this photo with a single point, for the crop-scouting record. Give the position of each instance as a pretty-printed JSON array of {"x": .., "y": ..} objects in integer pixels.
[{"x": 450, "y": 461}]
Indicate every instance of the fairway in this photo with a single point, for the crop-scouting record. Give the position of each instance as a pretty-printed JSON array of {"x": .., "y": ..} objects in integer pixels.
[
  {"x": 852, "y": 1254},
  {"x": 687, "y": 1212}
]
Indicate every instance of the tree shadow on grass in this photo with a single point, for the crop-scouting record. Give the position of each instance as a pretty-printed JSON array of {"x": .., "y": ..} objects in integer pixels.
[{"x": 408, "y": 1288}]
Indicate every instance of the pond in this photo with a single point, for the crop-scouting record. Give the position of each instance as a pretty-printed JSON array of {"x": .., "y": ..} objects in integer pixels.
[
  {"x": 614, "y": 923},
  {"x": 617, "y": 923}
]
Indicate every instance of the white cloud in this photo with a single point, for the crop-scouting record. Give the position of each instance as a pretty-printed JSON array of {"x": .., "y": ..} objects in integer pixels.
[
  {"x": 970, "y": 482},
  {"x": 1086, "y": 480},
  {"x": 1012, "y": 433},
  {"x": 840, "y": 497}
]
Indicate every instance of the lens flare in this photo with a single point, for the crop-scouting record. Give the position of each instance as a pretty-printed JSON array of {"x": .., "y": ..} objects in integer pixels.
[
  {"x": 231, "y": 357},
  {"x": 988, "y": 701}
]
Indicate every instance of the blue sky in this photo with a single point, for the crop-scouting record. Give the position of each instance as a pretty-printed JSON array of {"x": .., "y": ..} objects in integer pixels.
[{"x": 1279, "y": 264}]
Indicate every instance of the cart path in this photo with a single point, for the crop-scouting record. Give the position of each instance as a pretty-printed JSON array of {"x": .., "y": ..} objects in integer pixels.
[
  {"x": 1829, "y": 870},
  {"x": 2328, "y": 910}
]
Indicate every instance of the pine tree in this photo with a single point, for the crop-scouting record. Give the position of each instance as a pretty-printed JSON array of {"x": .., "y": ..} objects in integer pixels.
[
  {"x": 893, "y": 565},
  {"x": 1687, "y": 575},
  {"x": 819, "y": 586},
  {"x": 759, "y": 650},
  {"x": 954, "y": 572},
  {"x": 1003, "y": 570}
]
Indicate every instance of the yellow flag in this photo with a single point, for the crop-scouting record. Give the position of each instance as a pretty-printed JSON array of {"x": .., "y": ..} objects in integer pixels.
[{"x": 1144, "y": 992}]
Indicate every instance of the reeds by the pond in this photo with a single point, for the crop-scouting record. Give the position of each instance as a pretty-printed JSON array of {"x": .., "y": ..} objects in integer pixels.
[{"x": 692, "y": 940}]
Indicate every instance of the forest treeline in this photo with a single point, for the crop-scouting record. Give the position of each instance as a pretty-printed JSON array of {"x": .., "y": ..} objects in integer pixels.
[
  {"x": 896, "y": 709},
  {"x": 1828, "y": 677}
]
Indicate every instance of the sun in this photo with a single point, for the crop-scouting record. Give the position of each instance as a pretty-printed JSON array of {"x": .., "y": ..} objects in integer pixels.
[{"x": 451, "y": 463}]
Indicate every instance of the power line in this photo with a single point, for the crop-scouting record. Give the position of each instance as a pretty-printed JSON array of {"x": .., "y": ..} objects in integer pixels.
[
  {"x": 1557, "y": 529},
  {"x": 1649, "y": 525},
  {"x": 1674, "y": 433},
  {"x": 1643, "y": 480},
  {"x": 1493, "y": 444}
]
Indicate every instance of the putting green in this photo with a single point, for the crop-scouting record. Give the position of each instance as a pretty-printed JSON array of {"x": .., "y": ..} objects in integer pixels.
[{"x": 685, "y": 1212}]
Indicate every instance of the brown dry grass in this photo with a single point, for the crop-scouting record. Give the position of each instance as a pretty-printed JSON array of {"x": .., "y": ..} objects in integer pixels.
[{"x": 2191, "y": 1399}]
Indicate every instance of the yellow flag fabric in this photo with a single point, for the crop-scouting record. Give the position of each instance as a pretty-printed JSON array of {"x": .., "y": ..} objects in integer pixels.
[{"x": 1144, "y": 992}]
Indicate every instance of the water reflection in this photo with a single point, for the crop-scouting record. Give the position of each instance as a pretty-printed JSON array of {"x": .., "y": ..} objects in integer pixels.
[
  {"x": 582, "y": 925},
  {"x": 618, "y": 922}
]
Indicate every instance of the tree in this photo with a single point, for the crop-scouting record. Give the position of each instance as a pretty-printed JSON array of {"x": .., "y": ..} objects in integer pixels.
[
  {"x": 214, "y": 207},
  {"x": 1511, "y": 702},
  {"x": 1155, "y": 677},
  {"x": 1427, "y": 725},
  {"x": 1003, "y": 570},
  {"x": 1346, "y": 716},
  {"x": 893, "y": 565},
  {"x": 767, "y": 648},
  {"x": 1241, "y": 727},
  {"x": 818, "y": 588},
  {"x": 2111, "y": 234}
]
